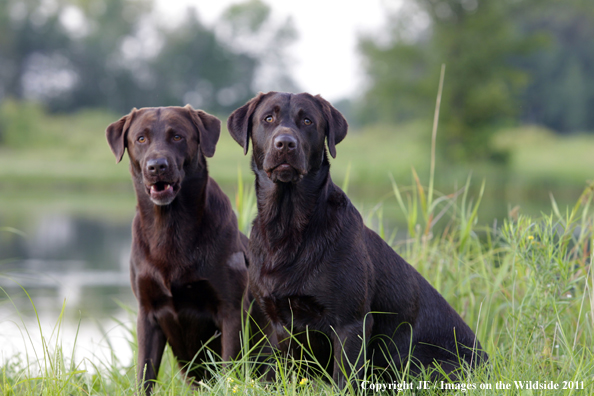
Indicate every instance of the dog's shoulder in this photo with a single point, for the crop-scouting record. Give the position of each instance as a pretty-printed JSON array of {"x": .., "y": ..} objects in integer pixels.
[
  {"x": 341, "y": 210},
  {"x": 218, "y": 206}
]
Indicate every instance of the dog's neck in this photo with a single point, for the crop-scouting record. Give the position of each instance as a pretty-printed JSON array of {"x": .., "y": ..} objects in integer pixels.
[
  {"x": 285, "y": 210},
  {"x": 168, "y": 223}
]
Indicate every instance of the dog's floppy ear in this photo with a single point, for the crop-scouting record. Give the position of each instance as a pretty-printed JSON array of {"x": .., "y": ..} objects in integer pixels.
[
  {"x": 209, "y": 129},
  {"x": 336, "y": 125},
  {"x": 239, "y": 123},
  {"x": 116, "y": 134}
]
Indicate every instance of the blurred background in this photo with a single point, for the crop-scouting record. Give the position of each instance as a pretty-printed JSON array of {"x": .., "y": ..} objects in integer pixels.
[{"x": 517, "y": 111}]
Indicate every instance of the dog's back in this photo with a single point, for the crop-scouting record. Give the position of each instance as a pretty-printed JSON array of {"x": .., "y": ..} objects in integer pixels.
[{"x": 418, "y": 319}]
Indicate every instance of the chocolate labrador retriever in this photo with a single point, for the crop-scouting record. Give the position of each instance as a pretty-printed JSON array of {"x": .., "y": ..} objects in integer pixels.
[
  {"x": 188, "y": 268},
  {"x": 317, "y": 271}
]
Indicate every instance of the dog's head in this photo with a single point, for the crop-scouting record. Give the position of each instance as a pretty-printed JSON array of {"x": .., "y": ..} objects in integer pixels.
[
  {"x": 164, "y": 143},
  {"x": 288, "y": 132}
]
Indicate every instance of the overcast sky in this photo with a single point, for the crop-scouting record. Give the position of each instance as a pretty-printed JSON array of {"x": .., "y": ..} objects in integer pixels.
[{"x": 328, "y": 66}]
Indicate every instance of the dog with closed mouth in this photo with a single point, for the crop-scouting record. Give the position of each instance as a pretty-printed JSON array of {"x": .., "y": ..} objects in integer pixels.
[
  {"x": 317, "y": 271},
  {"x": 188, "y": 267}
]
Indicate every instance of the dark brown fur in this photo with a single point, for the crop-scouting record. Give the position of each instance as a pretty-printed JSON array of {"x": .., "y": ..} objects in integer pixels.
[
  {"x": 188, "y": 269},
  {"x": 315, "y": 266}
]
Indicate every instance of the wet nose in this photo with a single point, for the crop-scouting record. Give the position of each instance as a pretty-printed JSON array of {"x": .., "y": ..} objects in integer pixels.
[
  {"x": 285, "y": 142},
  {"x": 157, "y": 166}
]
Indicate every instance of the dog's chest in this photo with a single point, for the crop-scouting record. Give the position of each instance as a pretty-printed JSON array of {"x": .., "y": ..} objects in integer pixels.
[
  {"x": 199, "y": 295},
  {"x": 281, "y": 294},
  {"x": 183, "y": 297},
  {"x": 296, "y": 311}
]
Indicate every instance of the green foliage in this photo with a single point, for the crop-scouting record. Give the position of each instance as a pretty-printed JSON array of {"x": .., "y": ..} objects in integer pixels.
[
  {"x": 26, "y": 29},
  {"x": 194, "y": 66},
  {"x": 116, "y": 54},
  {"x": 560, "y": 92},
  {"x": 245, "y": 205},
  {"x": 249, "y": 28},
  {"x": 28, "y": 128},
  {"x": 246, "y": 18},
  {"x": 477, "y": 41},
  {"x": 18, "y": 123}
]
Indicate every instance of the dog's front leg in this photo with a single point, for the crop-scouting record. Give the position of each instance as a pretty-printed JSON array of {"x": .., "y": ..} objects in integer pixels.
[
  {"x": 151, "y": 344},
  {"x": 347, "y": 346},
  {"x": 231, "y": 335}
]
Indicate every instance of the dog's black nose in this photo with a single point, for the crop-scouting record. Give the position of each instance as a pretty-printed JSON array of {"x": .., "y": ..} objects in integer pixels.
[
  {"x": 285, "y": 142},
  {"x": 157, "y": 166}
]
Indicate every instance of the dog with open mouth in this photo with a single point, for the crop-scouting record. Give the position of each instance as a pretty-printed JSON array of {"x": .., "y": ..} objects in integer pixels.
[
  {"x": 188, "y": 267},
  {"x": 317, "y": 271}
]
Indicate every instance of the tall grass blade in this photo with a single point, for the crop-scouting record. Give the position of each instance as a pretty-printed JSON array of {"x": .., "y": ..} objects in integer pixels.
[
  {"x": 347, "y": 176},
  {"x": 434, "y": 133}
]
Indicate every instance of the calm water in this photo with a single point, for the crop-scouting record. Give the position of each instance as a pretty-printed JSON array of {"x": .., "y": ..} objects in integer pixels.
[{"x": 74, "y": 262}]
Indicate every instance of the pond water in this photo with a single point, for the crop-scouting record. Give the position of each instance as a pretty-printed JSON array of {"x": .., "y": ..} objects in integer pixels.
[{"x": 65, "y": 274}]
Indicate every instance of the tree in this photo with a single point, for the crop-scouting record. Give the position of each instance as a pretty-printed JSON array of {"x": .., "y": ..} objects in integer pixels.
[
  {"x": 70, "y": 54},
  {"x": 194, "y": 66},
  {"x": 30, "y": 38},
  {"x": 560, "y": 91},
  {"x": 96, "y": 55},
  {"x": 477, "y": 40},
  {"x": 250, "y": 29}
]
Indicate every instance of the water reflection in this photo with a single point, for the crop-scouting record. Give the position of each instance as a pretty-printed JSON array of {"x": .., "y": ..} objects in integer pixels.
[
  {"x": 59, "y": 259},
  {"x": 67, "y": 242}
]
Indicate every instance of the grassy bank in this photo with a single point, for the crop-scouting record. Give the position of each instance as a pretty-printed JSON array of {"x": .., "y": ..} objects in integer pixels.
[
  {"x": 68, "y": 155},
  {"x": 524, "y": 287},
  {"x": 38, "y": 148}
]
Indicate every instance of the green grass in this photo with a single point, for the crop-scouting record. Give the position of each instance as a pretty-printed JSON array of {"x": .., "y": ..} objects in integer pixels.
[
  {"x": 538, "y": 153},
  {"x": 524, "y": 287}
]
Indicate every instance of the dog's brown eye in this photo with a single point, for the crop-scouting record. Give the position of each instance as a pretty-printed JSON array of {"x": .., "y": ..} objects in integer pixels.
[
  {"x": 269, "y": 119},
  {"x": 307, "y": 121},
  {"x": 141, "y": 139},
  {"x": 177, "y": 138}
]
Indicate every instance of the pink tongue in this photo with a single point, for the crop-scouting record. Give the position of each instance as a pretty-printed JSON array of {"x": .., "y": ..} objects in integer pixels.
[{"x": 167, "y": 188}]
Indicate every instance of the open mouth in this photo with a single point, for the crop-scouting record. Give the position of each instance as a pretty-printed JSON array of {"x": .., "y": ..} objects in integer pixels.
[
  {"x": 162, "y": 192},
  {"x": 160, "y": 187}
]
